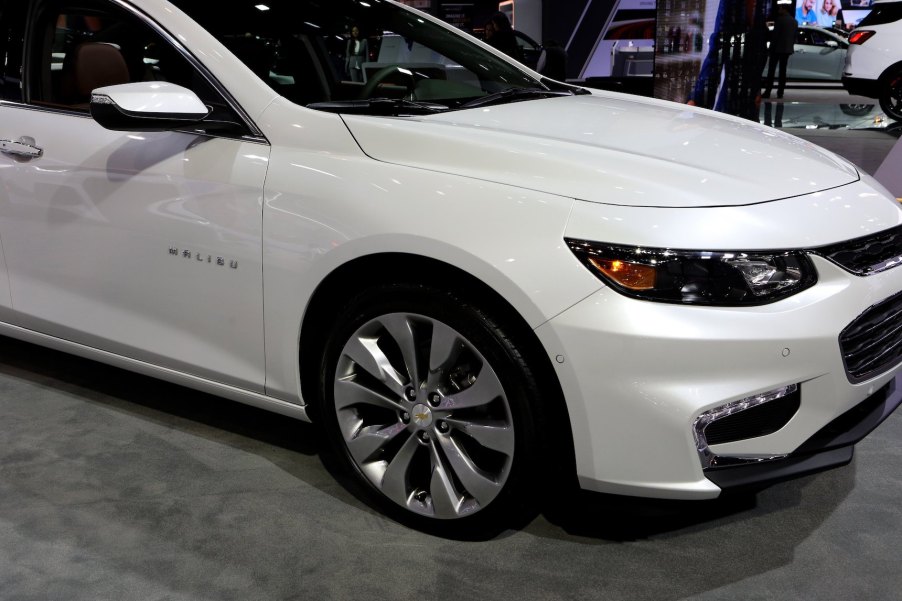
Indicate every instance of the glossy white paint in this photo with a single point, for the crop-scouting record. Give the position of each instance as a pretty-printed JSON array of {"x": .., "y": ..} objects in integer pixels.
[
  {"x": 328, "y": 203},
  {"x": 636, "y": 375},
  {"x": 154, "y": 97},
  {"x": 612, "y": 149},
  {"x": 872, "y": 59},
  {"x": 88, "y": 232},
  {"x": 240, "y": 395},
  {"x": 840, "y": 213}
]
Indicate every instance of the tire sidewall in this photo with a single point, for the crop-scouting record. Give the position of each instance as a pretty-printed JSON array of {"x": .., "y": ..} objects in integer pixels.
[{"x": 892, "y": 83}]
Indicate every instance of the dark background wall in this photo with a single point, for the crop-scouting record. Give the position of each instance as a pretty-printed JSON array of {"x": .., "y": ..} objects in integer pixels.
[
  {"x": 566, "y": 23},
  {"x": 573, "y": 23}
]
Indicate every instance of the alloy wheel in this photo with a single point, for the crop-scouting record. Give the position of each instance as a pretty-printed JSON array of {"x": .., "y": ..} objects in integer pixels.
[
  {"x": 423, "y": 415},
  {"x": 891, "y": 98}
]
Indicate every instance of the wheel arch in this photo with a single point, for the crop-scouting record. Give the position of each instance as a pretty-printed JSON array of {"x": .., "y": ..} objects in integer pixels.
[
  {"x": 888, "y": 89},
  {"x": 370, "y": 270},
  {"x": 889, "y": 71}
]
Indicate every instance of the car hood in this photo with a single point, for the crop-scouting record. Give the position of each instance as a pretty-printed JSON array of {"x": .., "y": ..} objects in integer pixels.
[{"x": 609, "y": 148}]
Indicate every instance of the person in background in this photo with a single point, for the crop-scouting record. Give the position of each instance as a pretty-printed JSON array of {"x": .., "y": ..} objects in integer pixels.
[
  {"x": 782, "y": 45},
  {"x": 356, "y": 54},
  {"x": 805, "y": 13},
  {"x": 499, "y": 34},
  {"x": 827, "y": 14}
]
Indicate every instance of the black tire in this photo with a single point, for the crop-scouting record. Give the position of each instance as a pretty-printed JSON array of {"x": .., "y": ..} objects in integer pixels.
[
  {"x": 443, "y": 464},
  {"x": 856, "y": 110},
  {"x": 891, "y": 96}
]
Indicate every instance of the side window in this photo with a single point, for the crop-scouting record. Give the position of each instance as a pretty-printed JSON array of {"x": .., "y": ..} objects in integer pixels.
[
  {"x": 12, "y": 42},
  {"x": 803, "y": 37},
  {"x": 81, "y": 45},
  {"x": 819, "y": 39}
]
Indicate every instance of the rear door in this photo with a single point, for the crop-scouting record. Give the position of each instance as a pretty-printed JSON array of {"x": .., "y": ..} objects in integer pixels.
[{"x": 817, "y": 56}]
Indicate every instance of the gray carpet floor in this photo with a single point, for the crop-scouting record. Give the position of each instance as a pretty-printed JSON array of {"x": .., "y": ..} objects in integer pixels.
[{"x": 115, "y": 486}]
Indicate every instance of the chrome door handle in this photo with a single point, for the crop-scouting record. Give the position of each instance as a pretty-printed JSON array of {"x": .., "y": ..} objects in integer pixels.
[{"x": 23, "y": 147}]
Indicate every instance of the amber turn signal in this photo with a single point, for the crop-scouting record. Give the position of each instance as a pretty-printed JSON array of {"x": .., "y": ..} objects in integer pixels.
[{"x": 629, "y": 275}]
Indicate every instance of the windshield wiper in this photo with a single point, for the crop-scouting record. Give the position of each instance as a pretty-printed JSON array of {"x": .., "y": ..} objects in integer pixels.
[
  {"x": 513, "y": 95},
  {"x": 379, "y": 106}
]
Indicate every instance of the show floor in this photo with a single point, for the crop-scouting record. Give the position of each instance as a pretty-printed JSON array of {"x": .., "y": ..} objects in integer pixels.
[
  {"x": 117, "y": 487},
  {"x": 114, "y": 486},
  {"x": 852, "y": 126}
]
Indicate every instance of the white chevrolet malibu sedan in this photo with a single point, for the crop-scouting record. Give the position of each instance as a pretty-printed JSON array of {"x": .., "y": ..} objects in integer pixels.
[{"x": 476, "y": 281}]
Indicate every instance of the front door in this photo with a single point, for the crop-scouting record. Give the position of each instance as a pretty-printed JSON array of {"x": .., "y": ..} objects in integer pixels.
[{"x": 147, "y": 245}]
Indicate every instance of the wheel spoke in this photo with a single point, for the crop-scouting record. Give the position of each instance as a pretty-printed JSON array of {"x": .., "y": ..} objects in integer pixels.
[
  {"x": 446, "y": 501},
  {"x": 483, "y": 391},
  {"x": 480, "y": 486},
  {"x": 445, "y": 347},
  {"x": 395, "y": 480},
  {"x": 401, "y": 329},
  {"x": 370, "y": 439},
  {"x": 365, "y": 352},
  {"x": 349, "y": 392},
  {"x": 497, "y": 436}
]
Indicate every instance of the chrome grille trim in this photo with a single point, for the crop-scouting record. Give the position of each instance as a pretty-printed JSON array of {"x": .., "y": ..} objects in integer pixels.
[
  {"x": 867, "y": 255},
  {"x": 872, "y": 343}
]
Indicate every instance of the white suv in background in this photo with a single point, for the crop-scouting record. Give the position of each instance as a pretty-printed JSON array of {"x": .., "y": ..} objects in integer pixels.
[{"x": 874, "y": 61}]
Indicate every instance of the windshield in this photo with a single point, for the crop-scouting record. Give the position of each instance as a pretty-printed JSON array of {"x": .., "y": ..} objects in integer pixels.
[{"x": 341, "y": 54}]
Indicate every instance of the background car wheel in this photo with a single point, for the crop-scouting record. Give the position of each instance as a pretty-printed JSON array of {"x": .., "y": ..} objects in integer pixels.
[
  {"x": 891, "y": 97},
  {"x": 428, "y": 401},
  {"x": 856, "y": 110}
]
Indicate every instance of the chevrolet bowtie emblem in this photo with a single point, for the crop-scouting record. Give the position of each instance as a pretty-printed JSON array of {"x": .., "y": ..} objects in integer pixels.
[{"x": 422, "y": 415}]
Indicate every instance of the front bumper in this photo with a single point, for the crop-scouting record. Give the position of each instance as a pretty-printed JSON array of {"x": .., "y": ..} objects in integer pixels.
[
  {"x": 831, "y": 446},
  {"x": 637, "y": 374}
]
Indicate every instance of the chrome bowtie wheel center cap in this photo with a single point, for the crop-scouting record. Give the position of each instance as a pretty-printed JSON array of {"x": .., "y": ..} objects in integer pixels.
[{"x": 421, "y": 416}]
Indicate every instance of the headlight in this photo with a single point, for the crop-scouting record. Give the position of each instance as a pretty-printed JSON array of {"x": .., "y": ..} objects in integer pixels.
[{"x": 698, "y": 277}]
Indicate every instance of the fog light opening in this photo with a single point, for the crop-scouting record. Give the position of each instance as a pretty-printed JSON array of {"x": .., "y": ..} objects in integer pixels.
[{"x": 706, "y": 419}]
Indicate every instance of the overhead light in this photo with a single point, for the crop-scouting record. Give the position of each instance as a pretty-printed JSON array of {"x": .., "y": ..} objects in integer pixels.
[{"x": 261, "y": 7}]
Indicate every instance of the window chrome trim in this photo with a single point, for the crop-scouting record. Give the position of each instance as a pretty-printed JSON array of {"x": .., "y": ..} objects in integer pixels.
[
  {"x": 59, "y": 110},
  {"x": 41, "y": 108}
]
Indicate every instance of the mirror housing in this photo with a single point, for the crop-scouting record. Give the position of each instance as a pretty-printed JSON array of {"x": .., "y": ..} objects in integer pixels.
[
  {"x": 832, "y": 44},
  {"x": 147, "y": 106}
]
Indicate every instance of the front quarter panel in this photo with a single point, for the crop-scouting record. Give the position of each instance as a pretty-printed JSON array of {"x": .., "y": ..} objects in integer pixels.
[{"x": 327, "y": 203}]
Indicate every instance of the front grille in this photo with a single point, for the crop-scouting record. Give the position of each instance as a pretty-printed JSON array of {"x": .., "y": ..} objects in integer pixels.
[
  {"x": 867, "y": 255},
  {"x": 873, "y": 342},
  {"x": 760, "y": 420}
]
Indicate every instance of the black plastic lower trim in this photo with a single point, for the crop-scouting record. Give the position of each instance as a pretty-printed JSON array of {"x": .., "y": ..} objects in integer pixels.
[
  {"x": 831, "y": 446},
  {"x": 861, "y": 87}
]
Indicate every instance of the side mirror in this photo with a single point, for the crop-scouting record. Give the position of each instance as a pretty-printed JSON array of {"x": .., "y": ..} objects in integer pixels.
[
  {"x": 147, "y": 106},
  {"x": 832, "y": 43}
]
